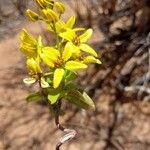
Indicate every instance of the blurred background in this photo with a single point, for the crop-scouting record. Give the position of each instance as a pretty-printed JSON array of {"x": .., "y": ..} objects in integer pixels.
[{"x": 120, "y": 87}]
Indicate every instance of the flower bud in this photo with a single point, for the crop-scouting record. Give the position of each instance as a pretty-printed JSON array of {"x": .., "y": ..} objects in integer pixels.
[
  {"x": 40, "y": 3},
  {"x": 43, "y": 4},
  {"x": 60, "y": 8},
  {"x": 27, "y": 38},
  {"x": 28, "y": 45},
  {"x": 32, "y": 16},
  {"x": 33, "y": 66},
  {"x": 50, "y": 15},
  {"x": 49, "y": 3}
]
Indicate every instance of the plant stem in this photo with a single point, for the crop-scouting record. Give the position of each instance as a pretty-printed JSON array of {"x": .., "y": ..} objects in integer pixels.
[
  {"x": 56, "y": 35},
  {"x": 70, "y": 133}
]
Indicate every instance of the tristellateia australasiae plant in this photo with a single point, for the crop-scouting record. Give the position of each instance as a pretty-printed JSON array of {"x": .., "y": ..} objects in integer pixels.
[{"x": 54, "y": 67}]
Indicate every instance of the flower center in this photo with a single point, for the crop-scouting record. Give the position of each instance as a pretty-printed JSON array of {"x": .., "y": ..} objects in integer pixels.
[
  {"x": 76, "y": 41},
  {"x": 59, "y": 63}
]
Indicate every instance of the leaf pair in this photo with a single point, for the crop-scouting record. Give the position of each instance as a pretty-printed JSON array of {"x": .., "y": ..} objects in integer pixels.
[{"x": 72, "y": 94}]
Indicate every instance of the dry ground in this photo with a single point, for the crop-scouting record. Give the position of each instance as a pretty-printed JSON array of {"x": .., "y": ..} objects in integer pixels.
[{"x": 30, "y": 127}]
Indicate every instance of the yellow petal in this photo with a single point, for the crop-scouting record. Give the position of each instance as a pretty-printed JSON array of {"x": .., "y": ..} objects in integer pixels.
[
  {"x": 33, "y": 66},
  {"x": 68, "y": 35},
  {"x": 47, "y": 60},
  {"x": 70, "y": 23},
  {"x": 67, "y": 51},
  {"x": 28, "y": 50},
  {"x": 91, "y": 59},
  {"x": 58, "y": 76},
  {"x": 76, "y": 50},
  {"x": 78, "y": 29},
  {"x": 88, "y": 49},
  {"x": 39, "y": 45},
  {"x": 85, "y": 36},
  {"x": 50, "y": 52},
  {"x": 75, "y": 65},
  {"x": 27, "y": 38},
  {"x": 39, "y": 41},
  {"x": 60, "y": 27},
  {"x": 60, "y": 7}
]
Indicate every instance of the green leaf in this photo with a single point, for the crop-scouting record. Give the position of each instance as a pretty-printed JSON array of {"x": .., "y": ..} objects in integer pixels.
[
  {"x": 70, "y": 75},
  {"x": 34, "y": 97},
  {"x": 88, "y": 100},
  {"x": 48, "y": 80},
  {"x": 54, "y": 95},
  {"x": 72, "y": 86},
  {"x": 81, "y": 100}
]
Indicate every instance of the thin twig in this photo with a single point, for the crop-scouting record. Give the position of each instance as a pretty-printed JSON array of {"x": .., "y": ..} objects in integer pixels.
[
  {"x": 146, "y": 79},
  {"x": 134, "y": 88},
  {"x": 70, "y": 133}
]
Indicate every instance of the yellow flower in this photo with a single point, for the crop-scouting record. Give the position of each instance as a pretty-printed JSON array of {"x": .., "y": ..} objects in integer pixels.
[
  {"x": 30, "y": 46},
  {"x": 33, "y": 66},
  {"x": 53, "y": 58},
  {"x": 77, "y": 43},
  {"x": 35, "y": 73},
  {"x": 62, "y": 26}
]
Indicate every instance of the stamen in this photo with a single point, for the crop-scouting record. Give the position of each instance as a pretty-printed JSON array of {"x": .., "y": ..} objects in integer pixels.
[
  {"x": 59, "y": 63},
  {"x": 76, "y": 41}
]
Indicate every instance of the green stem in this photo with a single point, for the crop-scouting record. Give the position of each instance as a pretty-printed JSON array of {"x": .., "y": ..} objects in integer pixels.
[
  {"x": 56, "y": 35},
  {"x": 45, "y": 95}
]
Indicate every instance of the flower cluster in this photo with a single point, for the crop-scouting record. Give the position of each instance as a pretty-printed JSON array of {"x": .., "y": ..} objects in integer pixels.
[{"x": 54, "y": 66}]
